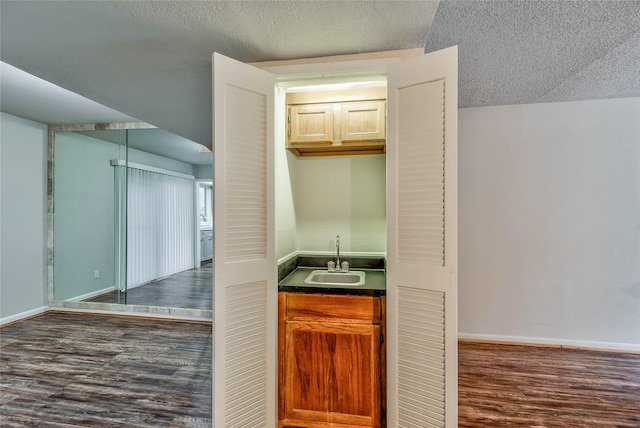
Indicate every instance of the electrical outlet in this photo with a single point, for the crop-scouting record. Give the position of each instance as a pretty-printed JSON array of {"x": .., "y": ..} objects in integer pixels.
[{"x": 96, "y": 274}]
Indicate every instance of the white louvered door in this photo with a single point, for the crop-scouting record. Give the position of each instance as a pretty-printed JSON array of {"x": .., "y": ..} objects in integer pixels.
[
  {"x": 245, "y": 284},
  {"x": 422, "y": 315}
]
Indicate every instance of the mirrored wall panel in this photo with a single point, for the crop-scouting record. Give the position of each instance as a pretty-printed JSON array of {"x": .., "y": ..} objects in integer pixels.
[{"x": 132, "y": 219}]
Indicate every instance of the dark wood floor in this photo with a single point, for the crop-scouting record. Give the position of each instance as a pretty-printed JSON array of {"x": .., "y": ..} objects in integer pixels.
[
  {"x": 83, "y": 370},
  {"x": 531, "y": 386},
  {"x": 191, "y": 289},
  {"x": 80, "y": 370}
]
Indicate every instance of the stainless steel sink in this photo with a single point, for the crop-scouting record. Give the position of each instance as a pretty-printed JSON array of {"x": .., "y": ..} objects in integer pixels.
[{"x": 325, "y": 277}]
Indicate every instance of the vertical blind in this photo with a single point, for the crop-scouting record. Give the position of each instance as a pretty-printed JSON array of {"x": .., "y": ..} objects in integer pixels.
[{"x": 160, "y": 225}]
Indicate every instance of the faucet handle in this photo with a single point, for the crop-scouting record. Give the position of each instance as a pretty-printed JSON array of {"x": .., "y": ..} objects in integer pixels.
[
  {"x": 331, "y": 265},
  {"x": 345, "y": 266}
]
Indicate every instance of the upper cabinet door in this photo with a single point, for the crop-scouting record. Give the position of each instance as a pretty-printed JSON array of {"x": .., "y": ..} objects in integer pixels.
[
  {"x": 311, "y": 123},
  {"x": 422, "y": 241},
  {"x": 245, "y": 284},
  {"x": 363, "y": 121}
]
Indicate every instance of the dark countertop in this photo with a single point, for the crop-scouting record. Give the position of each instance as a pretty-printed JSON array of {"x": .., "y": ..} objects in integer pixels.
[{"x": 375, "y": 283}]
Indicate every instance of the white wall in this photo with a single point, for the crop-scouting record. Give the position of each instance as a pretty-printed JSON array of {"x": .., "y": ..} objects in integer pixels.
[
  {"x": 341, "y": 195},
  {"x": 318, "y": 198},
  {"x": 549, "y": 222},
  {"x": 23, "y": 178},
  {"x": 203, "y": 172},
  {"x": 284, "y": 183},
  {"x": 83, "y": 214}
]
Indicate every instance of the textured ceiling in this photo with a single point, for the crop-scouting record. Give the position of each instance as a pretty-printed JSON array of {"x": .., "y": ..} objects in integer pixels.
[
  {"x": 152, "y": 59},
  {"x": 518, "y": 52}
]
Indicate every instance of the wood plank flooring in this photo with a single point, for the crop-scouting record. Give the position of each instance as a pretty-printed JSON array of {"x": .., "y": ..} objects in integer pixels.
[
  {"x": 82, "y": 370},
  {"x": 531, "y": 386},
  {"x": 191, "y": 289}
]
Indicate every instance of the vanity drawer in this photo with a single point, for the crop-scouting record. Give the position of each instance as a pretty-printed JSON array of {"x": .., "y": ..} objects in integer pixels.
[{"x": 334, "y": 308}]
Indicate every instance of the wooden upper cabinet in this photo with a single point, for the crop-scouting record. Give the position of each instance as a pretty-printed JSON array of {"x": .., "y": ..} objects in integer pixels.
[
  {"x": 337, "y": 122},
  {"x": 311, "y": 124},
  {"x": 363, "y": 121}
]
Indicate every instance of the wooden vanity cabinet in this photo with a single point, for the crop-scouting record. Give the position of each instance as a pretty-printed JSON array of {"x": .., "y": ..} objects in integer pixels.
[
  {"x": 337, "y": 122},
  {"x": 331, "y": 360}
]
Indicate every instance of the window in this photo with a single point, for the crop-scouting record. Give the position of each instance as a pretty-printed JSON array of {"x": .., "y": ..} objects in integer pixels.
[{"x": 205, "y": 193}]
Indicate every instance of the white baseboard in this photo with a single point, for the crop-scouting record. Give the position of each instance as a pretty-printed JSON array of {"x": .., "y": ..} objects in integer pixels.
[
  {"x": 634, "y": 347},
  {"x": 91, "y": 294},
  {"x": 22, "y": 315}
]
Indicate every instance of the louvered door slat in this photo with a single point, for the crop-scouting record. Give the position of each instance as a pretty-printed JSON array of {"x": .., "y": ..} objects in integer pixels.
[
  {"x": 421, "y": 362},
  {"x": 421, "y": 158},
  {"x": 245, "y": 175},
  {"x": 245, "y": 364}
]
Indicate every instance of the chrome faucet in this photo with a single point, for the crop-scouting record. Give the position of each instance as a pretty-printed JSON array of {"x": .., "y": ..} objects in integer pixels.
[{"x": 337, "y": 266}]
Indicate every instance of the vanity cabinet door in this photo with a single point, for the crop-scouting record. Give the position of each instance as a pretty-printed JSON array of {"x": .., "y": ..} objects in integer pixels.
[
  {"x": 332, "y": 374},
  {"x": 331, "y": 360}
]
